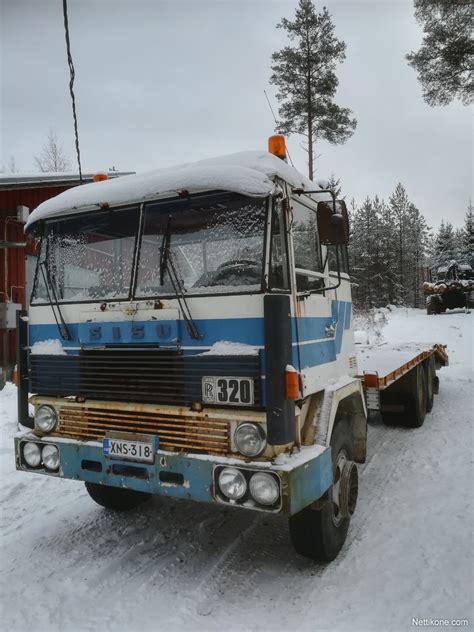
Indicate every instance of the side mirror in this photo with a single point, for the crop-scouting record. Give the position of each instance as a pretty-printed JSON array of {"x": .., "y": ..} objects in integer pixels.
[{"x": 333, "y": 223}]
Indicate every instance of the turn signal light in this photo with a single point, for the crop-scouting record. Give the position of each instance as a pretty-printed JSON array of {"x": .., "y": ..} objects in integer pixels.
[
  {"x": 292, "y": 385},
  {"x": 276, "y": 146},
  {"x": 98, "y": 177}
]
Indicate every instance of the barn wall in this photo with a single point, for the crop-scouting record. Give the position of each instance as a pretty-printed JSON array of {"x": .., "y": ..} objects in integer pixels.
[{"x": 13, "y": 260}]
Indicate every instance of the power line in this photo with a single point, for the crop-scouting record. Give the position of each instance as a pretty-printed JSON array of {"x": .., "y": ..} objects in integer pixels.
[
  {"x": 276, "y": 123},
  {"x": 71, "y": 86}
]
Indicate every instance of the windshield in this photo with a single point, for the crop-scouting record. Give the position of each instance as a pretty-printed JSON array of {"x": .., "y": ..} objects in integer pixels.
[
  {"x": 88, "y": 257},
  {"x": 215, "y": 244}
]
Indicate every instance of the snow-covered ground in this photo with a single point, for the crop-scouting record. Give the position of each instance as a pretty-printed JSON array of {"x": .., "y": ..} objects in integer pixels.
[{"x": 68, "y": 565}]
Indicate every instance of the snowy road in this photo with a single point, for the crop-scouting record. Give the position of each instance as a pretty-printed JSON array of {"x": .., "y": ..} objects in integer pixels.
[{"x": 67, "y": 564}]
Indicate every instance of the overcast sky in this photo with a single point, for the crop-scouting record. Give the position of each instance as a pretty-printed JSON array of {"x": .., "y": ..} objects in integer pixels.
[{"x": 159, "y": 83}]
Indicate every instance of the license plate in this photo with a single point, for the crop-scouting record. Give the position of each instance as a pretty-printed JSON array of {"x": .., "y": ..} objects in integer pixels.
[
  {"x": 130, "y": 450},
  {"x": 228, "y": 390}
]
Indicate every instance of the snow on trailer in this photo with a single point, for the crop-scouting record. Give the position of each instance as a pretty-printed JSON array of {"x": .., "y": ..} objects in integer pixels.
[
  {"x": 381, "y": 365},
  {"x": 400, "y": 380}
]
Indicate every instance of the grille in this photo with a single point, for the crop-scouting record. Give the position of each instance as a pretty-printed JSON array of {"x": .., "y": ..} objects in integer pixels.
[
  {"x": 187, "y": 431},
  {"x": 161, "y": 377}
]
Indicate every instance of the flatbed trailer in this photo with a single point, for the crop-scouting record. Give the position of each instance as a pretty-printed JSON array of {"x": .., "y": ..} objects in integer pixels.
[{"x": 400, "y": 380}]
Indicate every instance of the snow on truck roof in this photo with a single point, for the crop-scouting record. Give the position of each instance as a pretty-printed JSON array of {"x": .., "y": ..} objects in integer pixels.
[{"x": 250, "y": 173}]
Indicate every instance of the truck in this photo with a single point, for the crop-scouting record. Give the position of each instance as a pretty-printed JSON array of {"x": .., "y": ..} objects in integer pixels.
[{"x": 190, "y": 334}]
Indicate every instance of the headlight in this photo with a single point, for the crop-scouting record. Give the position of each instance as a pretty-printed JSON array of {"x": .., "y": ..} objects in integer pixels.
[
  {"x": 50, "y": 455},
  {"x": 250, "y": 439},
  {"x": 232, "y": 483},
  {"x": 32, "y": 454},
  {"x": 45, "y": 419},
  {"x": 264, "y": 488}
]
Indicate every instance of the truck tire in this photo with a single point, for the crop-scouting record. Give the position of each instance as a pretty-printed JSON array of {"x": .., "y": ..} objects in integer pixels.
[
  {"x": 116, "y": 498},
  {"x": 430, "y": 373},
  {"x": 432, "y": 305},
  {"x": 320, "y": 533},
  {"x": 415, "y": 407}
]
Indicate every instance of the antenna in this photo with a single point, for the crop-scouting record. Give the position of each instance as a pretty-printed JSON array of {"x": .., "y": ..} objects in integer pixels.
[{"x": 276, "y": 123}]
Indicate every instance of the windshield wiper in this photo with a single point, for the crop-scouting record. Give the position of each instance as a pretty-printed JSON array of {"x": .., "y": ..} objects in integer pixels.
[
  {"x": 165, "y": 250},
  {"x": 48, "y": 282},
  {"x": 179, "y": 291},
  {"x": 167, "y": 265}
]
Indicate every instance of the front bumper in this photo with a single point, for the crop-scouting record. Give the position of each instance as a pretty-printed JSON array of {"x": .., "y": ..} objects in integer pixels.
[{"x": 304, "y": 477}]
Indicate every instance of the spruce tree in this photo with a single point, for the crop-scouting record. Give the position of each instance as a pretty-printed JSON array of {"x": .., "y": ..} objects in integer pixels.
[
  {"x": 334, "y": 185},
  {"x": 468, "y": 237},
  {"x": 445, "y": 246},
  {"x": 399, "y": 205},
  {"x": 304, "y": 74}
]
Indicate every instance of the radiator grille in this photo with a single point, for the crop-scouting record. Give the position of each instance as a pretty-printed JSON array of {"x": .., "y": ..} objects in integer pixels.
[
  {"x": 161, "y": 377},
  {"x": 188, "y": 432}
]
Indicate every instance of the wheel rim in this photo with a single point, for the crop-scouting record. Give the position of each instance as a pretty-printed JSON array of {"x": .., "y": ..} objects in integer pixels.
[
  {"x": 344, "y": 490},
  {"x": 337, "y": 514}
]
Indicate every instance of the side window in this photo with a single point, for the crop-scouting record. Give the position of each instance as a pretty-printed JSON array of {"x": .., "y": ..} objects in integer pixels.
[
  {"x": 279, "y": 275},
  {"x": 306, "y": 247},
  {"x": 343, "y": 259}
]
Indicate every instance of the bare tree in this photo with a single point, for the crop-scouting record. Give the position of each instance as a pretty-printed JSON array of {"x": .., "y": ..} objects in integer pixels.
[
  {"x": 52, "y": 157},
  {"x": 11, "y": 165}
]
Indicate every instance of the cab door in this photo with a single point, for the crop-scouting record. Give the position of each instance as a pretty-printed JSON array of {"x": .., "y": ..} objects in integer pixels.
[{"x": 315, "y": 314}]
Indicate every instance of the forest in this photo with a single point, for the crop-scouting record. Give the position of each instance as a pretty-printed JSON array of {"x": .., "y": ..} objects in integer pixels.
[{"x": 393, "y": 249}]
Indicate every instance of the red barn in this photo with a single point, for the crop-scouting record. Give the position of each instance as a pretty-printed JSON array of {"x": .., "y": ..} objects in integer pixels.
[{"x": 18, "y": 196}]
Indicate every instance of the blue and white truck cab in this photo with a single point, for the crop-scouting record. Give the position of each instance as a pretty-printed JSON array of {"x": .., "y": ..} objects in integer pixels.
[{"x": 190, "y": 335}]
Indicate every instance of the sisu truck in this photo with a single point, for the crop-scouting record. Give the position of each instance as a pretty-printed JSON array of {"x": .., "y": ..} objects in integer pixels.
[{"x": 190, "y": 335}]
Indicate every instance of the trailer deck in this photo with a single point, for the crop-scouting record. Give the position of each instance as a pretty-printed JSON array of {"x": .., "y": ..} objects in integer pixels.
[{"x": 382, "y": 365}]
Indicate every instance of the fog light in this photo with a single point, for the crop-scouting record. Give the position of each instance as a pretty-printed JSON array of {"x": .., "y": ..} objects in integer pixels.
[
  {"x": 45, "y": 419},
  {"x": 32, "y": 454},
  {"x": 264, "y": 488},
  {"x": 250, "y": 439},
  {"x": 232, "y": 483},
  {"x": 50, "y": 455}
]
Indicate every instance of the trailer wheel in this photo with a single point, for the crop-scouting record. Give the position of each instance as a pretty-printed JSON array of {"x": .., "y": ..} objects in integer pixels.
[
  {"x": 430, "y": 374},
  {"x": 321, "y": 533},
  {"x": 416, "y": 400},
  {"x": 116, "y": 498}
]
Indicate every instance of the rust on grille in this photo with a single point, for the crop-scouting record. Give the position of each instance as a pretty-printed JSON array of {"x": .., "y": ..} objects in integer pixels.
[{"x": 186, "y": 431}]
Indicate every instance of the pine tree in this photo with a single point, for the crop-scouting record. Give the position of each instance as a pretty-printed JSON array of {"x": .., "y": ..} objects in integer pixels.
[
  {"x": 306, "y": 80},
  {"x": 444, "y": 60}
]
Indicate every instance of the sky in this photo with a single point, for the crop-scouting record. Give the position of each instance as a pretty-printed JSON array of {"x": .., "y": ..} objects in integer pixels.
[{"x": 166, "y": 82}]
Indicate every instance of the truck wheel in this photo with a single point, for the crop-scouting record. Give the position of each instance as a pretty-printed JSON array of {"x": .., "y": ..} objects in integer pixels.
[
  {"x": 432, "y": 305},
  {"x": 116, "y": 498},
  {"x": 321, "y": 533},
  {"x": 416, "y": 400},
  {"x": 430, "y": 374}
]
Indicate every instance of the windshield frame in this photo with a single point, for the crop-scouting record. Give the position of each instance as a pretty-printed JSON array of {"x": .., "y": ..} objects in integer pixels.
[
  {"x": 97, "y": 213},
  {"x": 267, "y": 201}
]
